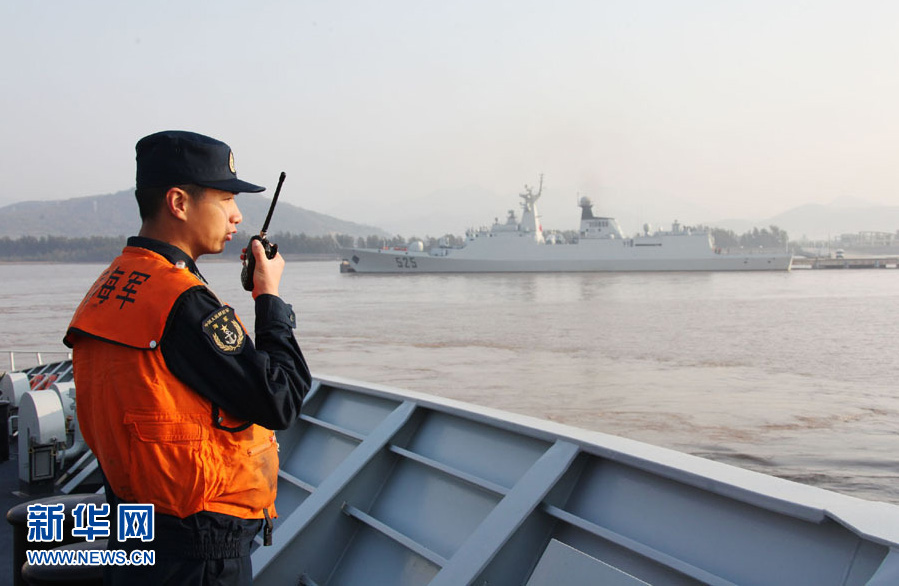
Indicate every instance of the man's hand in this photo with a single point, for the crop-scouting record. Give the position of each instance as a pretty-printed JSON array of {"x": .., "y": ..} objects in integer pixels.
[{"x": 267, "y": 275}]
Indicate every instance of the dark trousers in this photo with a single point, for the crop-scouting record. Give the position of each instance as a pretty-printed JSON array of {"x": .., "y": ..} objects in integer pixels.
[
  {"x": 204, "y": 549},
  {"x": 183, "y": 572}
]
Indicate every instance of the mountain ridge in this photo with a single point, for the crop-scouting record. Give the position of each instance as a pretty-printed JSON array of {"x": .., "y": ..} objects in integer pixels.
[
  {"x": 815, "y": 221},
  {"x": 116, "y": 214}
]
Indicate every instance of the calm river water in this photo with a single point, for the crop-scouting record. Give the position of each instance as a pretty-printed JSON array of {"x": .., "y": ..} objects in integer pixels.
[{"x": 792, "y": 374}]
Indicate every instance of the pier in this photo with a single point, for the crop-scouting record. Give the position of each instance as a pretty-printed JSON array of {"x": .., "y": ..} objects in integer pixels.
[{"x": 890, "y": 262}]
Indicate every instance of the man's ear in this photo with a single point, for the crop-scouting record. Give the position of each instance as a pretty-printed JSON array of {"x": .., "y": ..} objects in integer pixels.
[{"x": 177, "y": 203}]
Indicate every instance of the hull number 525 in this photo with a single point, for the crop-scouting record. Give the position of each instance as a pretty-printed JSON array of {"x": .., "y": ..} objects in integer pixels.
[{"x": 404, "y": 262}]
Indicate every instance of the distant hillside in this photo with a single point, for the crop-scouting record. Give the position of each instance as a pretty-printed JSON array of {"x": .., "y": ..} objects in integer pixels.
[
  {"x": 820, "y": 222},
  {"x": 116, "y": 215}
]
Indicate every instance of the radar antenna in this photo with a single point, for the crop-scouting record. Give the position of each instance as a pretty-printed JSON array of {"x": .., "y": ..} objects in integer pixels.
[{"x": 529, "y": 197}]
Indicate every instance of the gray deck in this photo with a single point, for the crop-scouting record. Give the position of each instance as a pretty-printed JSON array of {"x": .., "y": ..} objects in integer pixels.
[{"x": 380, "y": 486}]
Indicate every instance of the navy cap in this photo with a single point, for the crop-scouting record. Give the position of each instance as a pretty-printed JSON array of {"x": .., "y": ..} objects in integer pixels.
[{"x": 177, "y": 157}]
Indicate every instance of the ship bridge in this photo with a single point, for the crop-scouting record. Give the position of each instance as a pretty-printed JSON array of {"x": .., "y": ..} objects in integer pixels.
[{"x": 595, "y": 227}]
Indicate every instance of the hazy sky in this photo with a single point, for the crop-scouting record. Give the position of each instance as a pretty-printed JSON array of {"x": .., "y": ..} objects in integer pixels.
[{"x": 715, "y": 108}]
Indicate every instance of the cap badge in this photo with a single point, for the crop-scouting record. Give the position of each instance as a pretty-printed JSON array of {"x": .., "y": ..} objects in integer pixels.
[{"x": 231, "y": 161}]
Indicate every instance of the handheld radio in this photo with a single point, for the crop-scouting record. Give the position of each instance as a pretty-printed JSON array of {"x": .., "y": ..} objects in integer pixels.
[{"x": 249, "y": 263}]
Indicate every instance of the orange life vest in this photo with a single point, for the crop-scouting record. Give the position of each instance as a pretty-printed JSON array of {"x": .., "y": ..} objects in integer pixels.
[{"x": 154, "y": 436}]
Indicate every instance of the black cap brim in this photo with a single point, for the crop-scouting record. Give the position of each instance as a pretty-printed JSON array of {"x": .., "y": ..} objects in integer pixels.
[{"x": 232, "y": 185}]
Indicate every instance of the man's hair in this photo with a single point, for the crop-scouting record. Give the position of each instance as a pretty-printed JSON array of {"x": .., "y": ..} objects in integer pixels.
[{"x": 150, "y": 199}]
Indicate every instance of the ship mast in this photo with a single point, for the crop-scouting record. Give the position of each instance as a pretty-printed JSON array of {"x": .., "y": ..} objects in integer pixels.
[
  {"x": 529, "y": 197},
  {"x": 529, "y": 219}
]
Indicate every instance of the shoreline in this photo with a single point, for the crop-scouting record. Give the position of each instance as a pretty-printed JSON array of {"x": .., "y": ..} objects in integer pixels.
[{"x": 290, "y": 257}]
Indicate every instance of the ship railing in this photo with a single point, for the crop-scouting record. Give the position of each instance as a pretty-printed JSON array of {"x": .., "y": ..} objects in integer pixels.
[
  {"x": 11, "y": 360},
  {"x": 749, "y": 251}
]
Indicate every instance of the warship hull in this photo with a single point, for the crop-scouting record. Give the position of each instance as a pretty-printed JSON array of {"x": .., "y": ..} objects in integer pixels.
[{"x": 556, "y": 258}]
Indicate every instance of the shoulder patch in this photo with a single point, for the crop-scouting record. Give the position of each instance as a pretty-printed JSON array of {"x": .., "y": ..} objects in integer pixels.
[{"x": 225, "y": 330}]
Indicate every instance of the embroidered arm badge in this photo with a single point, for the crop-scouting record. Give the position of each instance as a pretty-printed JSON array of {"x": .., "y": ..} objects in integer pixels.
[{"x": 225, "y": 331}]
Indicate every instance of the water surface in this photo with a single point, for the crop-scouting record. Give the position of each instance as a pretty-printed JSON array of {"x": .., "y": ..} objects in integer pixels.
[{"x": 792, "y": 374}]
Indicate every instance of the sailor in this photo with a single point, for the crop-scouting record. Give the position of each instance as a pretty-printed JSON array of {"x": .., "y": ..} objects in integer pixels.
[{"x": 173, "y": 397}]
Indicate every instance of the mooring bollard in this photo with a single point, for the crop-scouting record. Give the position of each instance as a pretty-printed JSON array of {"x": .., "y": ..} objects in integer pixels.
[
  {"x": 18, "y": 518},
  {"x": 75, "y": 575}
]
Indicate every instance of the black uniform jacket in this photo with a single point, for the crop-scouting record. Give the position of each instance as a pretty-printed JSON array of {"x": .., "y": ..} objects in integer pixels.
[{"x": 264, "y": 383}]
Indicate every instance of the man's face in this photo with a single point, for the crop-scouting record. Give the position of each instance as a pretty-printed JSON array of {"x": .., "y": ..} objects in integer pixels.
[{"x": 212, "y": 221}]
